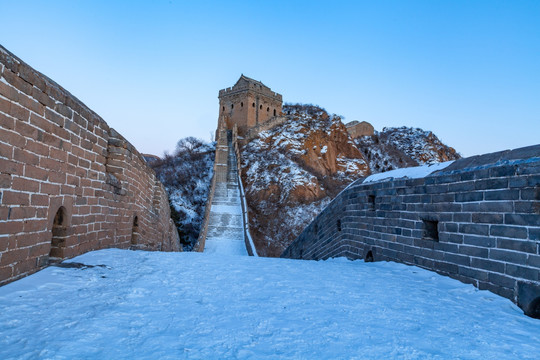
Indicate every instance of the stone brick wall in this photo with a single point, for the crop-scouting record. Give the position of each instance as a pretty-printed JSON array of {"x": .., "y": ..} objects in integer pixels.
[
  {"x": 477, "y": 221},
  {"x": 68, "y": 183},
  {"x": 219, "y": 174}
]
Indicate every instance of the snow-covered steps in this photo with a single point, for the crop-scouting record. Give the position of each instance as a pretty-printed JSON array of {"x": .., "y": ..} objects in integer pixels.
[
  {"x": 225, "y": 233},
  {"x": 151, "y": 305}
]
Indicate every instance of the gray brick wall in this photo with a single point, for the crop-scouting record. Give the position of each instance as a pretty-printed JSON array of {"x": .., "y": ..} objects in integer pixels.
[{"x": 484, "y": 216}]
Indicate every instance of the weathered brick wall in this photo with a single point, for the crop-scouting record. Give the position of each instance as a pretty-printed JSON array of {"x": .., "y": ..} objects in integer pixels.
[
  {"x": 68, "y": 183},
  {"x": 477, "y": 221},
  {"x": 269, "y": 124}
]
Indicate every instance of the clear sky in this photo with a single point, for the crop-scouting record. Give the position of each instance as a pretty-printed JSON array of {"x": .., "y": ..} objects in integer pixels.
[{"x": 467, "y": 70}]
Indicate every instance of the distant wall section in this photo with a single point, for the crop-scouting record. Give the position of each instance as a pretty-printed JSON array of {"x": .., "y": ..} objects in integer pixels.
[
  {"x": 68, "y": 183},
  {"x": 357, "y": 129}
]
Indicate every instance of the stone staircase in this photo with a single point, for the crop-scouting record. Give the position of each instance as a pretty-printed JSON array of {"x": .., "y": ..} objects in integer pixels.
[{"x": 225, "y": 235}]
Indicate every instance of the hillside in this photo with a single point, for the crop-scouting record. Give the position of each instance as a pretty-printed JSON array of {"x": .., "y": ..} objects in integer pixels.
[
  {"x": 394, "y": 148},
  {"x": 291, "y": 172},
  {"x": 187, "y": 175}
]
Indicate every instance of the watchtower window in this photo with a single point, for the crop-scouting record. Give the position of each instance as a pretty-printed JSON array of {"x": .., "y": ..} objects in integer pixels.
[
  {"x": 241, "y": 104},
  {"x": 260, "y": 107},
  {"x": 135, "y": 231},
  {"x": 253, "y": 104},
  {"x": 223, "y": 108},
  {"x": 232, "y": 106},
  {"x": 431, "y": 229},
  {"x": 267, "y": 109},
  {"x": 59, "y": 234},
  {"x": 274, "y": 112}
]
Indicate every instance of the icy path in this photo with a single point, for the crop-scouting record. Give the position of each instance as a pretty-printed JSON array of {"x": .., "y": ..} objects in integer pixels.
[
  {"x": 225, "y": 230},
  {"x": 145, "y": 305}
]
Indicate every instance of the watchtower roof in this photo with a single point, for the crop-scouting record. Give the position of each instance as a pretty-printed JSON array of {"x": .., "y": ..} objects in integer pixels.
[
  {"x": 245, "y": 84},
  {"x": 243, "y": 79}
]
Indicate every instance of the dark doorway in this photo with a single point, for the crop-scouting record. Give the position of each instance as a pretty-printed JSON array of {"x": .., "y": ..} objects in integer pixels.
[
  {"x": 135, "y": 231},
  {"x": 59, "y": 234}
]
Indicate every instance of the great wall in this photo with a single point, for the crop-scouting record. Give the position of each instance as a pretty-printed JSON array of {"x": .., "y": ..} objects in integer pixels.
[
  {"x": 477, "y": 220},
  {"x": 70, "y": 184}
]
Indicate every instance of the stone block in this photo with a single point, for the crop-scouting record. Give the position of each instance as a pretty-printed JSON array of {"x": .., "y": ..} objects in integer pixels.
[
  {"x": 472, "y": 273},
  {"x": 497, "y": 195},
  {"x": 469, "y": 196},
  {"x": 489, "y": 265},
  {"x": 490, "y": 184},
  {"x": 487, "y": 218},
  {"x": 514, "y": 232},
  {"x": 522, "y": 272},
  {"x": 508, "y": 256},
  {"x": 523, "y": 246},
  {"x": 474, "y": 229},
  {"x": 522, "y": 219},
  {"x": 475, "y": 251}
]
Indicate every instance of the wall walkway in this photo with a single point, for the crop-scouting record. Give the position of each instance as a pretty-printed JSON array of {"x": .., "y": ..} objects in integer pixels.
[{"x": 224, "y": 229}]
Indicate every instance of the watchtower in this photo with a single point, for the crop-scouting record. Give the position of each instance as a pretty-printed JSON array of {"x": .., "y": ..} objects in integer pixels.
[{"x": 247, "y": 104}]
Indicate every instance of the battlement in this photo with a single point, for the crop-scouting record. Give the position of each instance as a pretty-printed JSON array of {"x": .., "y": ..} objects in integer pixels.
[
  {"x": 258, "y": 88},
  {"x": 247, "y": 104}
]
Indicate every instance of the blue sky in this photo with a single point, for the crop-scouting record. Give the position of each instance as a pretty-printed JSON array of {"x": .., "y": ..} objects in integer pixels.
[{"x": 467, "y": 70}]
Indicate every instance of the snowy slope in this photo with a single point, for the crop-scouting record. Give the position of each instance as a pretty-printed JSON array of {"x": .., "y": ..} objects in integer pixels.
[
  {"x": 291, "y": 172},
  {"x": 150, "y": 305},
  {"x": 394, "y": 148},
  {"x": 187, "y": 175}
]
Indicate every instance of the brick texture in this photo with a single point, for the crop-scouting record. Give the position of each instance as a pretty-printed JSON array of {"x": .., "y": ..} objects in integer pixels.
[
  {"x": 485, "y": 211},
  {"x": 55, "y": 153}
]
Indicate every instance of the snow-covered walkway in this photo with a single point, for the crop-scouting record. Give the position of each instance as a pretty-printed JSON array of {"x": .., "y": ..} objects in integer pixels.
[
  {"x": 225, "y": 228},
  {"x": 151, "y": 305}
]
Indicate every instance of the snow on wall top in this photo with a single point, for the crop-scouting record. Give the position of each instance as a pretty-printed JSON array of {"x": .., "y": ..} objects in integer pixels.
[{"x": 410, "y": 173}]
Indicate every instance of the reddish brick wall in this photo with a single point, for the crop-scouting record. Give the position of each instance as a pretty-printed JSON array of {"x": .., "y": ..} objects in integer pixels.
[{"x": 55, "y": 152}]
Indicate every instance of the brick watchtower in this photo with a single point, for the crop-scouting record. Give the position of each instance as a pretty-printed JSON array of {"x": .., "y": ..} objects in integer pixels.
[{"x": 247, "y": 104}]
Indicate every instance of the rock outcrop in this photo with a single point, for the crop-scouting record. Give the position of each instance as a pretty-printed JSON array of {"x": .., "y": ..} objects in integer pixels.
[{"x": 292, "y": 171}]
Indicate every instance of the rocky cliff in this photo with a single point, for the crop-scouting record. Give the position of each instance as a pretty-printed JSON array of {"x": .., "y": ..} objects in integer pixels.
[{"x": 292, "y": 171}]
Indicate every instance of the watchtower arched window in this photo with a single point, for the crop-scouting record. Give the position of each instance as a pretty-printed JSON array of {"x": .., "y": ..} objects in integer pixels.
[
  {"x": 253, "y": 104},
  {"x": 260, "y": 107},
  {"x": 267, "y": 109},
  {"x": 135, "y": 231},
  {"x": 223, "y": 108},
  {"x": 59, "y": 234}
]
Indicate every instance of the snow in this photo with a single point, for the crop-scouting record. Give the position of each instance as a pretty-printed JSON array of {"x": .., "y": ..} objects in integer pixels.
[
  {"x": 151, "y": 305},
  {"x": 225, "y": 235},
  {"x": 410, "y": 173}
]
